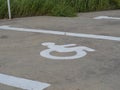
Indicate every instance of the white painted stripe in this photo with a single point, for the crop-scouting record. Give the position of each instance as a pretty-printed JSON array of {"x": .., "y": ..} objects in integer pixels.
[
  {"x": 62, "y": 33},
  {"x": 32, "y": 30},
  {"x": 94, "y": 36},
  {"x": 22, "y": 83},
  {"x": 106, "y": 17}
]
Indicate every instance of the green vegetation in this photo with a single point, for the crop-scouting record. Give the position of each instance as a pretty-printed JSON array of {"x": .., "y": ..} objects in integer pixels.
[{"x": 22, "y": 8}]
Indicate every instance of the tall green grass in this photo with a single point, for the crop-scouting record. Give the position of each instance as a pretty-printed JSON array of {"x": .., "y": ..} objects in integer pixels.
[{"x": 22, "y": 8}]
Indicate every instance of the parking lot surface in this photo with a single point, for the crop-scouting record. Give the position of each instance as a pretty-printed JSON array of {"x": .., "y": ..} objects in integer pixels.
[{"x": 28, "y": 54}]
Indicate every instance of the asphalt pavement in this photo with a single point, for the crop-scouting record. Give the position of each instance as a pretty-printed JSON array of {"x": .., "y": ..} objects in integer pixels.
[{"x": 42, "y": 49}]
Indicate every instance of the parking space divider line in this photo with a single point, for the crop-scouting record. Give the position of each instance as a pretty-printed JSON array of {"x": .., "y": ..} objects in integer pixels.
[
  {"x": 22, "y": 83},
  {"x": 5, "y": 27}
]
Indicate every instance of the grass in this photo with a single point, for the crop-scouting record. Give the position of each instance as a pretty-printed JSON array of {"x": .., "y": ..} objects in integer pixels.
[{"x": 69, "y": 8}]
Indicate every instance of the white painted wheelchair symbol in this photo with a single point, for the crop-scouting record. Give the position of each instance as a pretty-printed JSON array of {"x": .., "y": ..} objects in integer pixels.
[{"x": 80, "y": 51}]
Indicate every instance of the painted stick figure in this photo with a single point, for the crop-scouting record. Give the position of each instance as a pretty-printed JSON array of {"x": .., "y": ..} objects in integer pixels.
[{"x": 80, "y": 51}]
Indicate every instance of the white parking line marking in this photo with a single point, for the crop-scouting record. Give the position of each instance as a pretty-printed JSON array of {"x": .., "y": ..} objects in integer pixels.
[
  {"x": 94, "y": 36},
  {"x": 62, "y": 33},
  {"x": 32, "y": 30},
  {"x": 106, "y": 17},
  {"x": 22, "y": 83}
]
